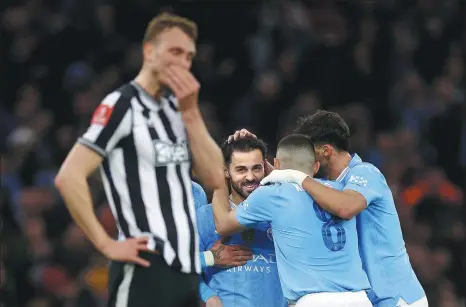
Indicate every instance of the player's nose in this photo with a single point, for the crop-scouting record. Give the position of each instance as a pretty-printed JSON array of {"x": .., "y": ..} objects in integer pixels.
[
  {"x": 182, "y": 61},
  {"x": 186, "y": 64},
  {"x": 250, "y": 176}
]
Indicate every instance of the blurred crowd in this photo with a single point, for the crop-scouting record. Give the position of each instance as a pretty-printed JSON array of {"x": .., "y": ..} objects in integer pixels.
[{"x": 394, "y": 69}]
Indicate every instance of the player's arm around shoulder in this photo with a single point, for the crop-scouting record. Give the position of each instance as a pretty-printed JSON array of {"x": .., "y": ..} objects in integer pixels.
[
  {"x": 259, "y": 207},
  {"x": 225, "y": 218},
  {"x": 344, "y": 204}
]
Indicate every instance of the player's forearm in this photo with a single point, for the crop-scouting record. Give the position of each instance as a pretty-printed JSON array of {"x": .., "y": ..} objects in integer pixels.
[
  {"x": 225, "y": 220},
  {"x": 221, "y": 208},
  {"x": 75, "y": 192},
  {"x": 336, "y": 202},
  {"x": 208, "y": 160}
]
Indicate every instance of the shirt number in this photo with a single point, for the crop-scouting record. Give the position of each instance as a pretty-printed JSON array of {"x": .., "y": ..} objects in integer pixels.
[{"x": 329, "y": 222}]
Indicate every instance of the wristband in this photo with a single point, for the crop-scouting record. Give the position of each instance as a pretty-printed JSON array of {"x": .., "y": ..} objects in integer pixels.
[{"x": 209, "y": 258}]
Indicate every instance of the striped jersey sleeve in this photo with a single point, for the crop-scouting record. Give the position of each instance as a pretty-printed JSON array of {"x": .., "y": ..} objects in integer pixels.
[{"x": 110, "y": 123}]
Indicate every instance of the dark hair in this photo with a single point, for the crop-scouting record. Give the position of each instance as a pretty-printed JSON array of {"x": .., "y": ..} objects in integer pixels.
[
  {"x": 296, "y": 141},
  {"x": 246, "y": 144},
  {"x": 324, "y": 127},
  {"x": 166, "y": 21}
]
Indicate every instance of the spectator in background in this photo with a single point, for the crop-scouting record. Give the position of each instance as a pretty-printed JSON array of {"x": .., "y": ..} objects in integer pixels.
[{"x": 393, "y": 69}]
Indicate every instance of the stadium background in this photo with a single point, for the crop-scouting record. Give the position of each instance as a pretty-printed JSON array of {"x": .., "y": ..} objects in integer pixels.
[{"x": 394, "y": 69}]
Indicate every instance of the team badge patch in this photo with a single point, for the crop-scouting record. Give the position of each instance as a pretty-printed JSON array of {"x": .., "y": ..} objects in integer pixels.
[
  {"x": 101, "y": 115},
  {"x": 248, "y": 236}
]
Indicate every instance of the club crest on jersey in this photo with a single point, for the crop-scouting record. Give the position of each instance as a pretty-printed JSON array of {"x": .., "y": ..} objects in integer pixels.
[
  {"x": 248, "y": 236},
  {"x": 167, "y": 152},
  {"x": 270, "y": 234}
]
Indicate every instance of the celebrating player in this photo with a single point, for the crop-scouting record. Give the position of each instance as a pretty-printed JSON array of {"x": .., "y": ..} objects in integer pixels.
[
  {"x": 366, "y": 193},
  {"x": 316, "y": 268},
  {"x": 219, "y": 254},
  {"x": 252, "y": 282}
]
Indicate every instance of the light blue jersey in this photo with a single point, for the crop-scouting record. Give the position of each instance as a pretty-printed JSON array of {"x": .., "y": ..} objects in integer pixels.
[
  {"x": 255, "y": 284},
  {"x": 200, "y": 198},
  {"x": 315, "y": 251},
  {"x": 382, "y": 247}
]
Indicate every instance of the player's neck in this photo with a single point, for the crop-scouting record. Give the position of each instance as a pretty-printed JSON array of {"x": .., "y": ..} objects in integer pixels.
[
  {"x": 236, "y": 198},
  {"x": 149, "y": 83},
  {"x": 339, "y": 163}
]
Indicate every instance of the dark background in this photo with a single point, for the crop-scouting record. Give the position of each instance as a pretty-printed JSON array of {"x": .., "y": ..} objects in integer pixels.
[{"x": 393, "y": 69}]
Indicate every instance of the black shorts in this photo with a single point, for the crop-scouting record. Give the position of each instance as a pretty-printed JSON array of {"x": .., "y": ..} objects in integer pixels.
[{"x": 159, "y": 285}]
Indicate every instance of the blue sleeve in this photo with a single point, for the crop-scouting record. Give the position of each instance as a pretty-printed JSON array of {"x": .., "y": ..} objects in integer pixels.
[
  {"x": 201, "y": 229},
  {"x": 257, "y": 208},
  {"x": 204, "y": 290},
  {"x": 365, "y": 179},
  {"x": 200, "y": 197}
]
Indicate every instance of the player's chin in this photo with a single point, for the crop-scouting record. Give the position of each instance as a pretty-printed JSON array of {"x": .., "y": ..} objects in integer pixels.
[{"x": 248, "y": 190}]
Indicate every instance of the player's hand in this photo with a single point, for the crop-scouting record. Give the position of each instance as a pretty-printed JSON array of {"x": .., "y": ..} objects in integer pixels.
[
  {"x": 183, "y": 84},
  {"x": 227, "y": 256},
  {"x": 241, "y": 134},
  {"x": 214, "y": 301},
  {"x": 286, "y": 175},
  {"x": 127, "y": 250}
]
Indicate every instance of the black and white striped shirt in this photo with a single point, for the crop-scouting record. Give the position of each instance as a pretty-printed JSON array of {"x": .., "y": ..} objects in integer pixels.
[{"x": 147, "y": 172}]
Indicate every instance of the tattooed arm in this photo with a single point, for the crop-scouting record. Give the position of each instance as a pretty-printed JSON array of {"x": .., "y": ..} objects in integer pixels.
[{"x": 227, "y": 256}]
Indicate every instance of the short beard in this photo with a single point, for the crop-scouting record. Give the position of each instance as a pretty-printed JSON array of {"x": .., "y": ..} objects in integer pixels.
[{"x": 238, "y": 190}]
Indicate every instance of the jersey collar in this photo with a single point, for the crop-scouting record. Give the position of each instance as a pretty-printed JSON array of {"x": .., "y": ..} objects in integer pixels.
[
  {"x": 149, "y": 101},
  {"x": 232, "y": 205},
  {"x": 355, "y": 159}
]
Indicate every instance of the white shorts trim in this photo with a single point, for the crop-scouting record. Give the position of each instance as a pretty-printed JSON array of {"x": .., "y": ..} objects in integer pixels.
[
  {"x": 335, "y": 299},
  {"x": 419, "y": 303}
]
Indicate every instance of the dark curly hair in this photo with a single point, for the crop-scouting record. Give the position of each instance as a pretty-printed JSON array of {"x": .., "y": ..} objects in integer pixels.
[
  {"x": 246, "y": 144},
  {"x": 324, "y": 127}
]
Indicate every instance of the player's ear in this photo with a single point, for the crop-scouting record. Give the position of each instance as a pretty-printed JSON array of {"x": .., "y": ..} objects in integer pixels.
[
  {"x": 276, "y": 163},
  {"x": 147, "y": 50},
  {"x": 316, "y": 167},
  {"x": 226, "y": 172},
  {"x": 327, "y": 150}
]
